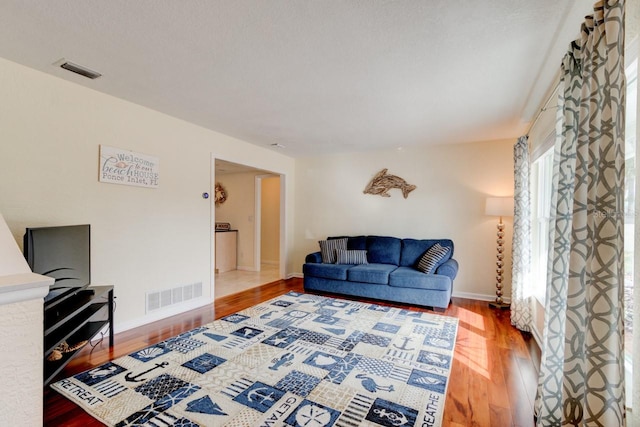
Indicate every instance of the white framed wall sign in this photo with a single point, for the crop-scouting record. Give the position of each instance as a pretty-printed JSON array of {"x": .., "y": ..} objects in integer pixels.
[{"x": 118, "y": 166}]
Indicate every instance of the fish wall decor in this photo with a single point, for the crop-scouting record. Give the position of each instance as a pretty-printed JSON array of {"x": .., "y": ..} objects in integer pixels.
[{"x": 383, "y": 182}]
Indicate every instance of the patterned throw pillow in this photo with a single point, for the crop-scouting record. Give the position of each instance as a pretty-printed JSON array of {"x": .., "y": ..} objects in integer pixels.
[
  {"x": 352, "y": 256},
  {"x": 432, "y": 257},
  {"x": 328, "y": 249}
]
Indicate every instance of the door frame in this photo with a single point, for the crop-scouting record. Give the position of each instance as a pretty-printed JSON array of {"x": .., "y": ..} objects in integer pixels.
[{"x": 257, "y": 217}]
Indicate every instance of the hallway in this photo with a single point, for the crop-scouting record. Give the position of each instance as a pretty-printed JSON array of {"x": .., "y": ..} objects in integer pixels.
[{"x": 234, "y": 281}]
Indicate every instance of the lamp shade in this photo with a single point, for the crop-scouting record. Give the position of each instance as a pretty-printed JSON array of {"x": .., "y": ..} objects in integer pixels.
[{"x": 499, "y": 206}]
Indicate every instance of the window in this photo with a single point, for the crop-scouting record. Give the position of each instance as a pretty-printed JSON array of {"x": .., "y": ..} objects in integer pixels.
[
  {"x": 629, "y": 218},
  {"x": 541, "y": 178}
]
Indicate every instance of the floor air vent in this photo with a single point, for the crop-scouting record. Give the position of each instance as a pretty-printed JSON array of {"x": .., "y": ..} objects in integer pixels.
[{"x": 167, "y": 297}]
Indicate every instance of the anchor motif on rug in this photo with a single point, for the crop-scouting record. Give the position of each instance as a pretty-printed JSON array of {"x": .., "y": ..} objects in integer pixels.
[
  {"x": 134, "y": 378},
  {"x": 404, "y": 344},
  {"x": 370, "y": 385}
]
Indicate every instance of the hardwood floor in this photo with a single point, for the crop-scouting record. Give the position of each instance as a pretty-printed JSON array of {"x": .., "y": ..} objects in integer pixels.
[{"x": 493, "y": 376}]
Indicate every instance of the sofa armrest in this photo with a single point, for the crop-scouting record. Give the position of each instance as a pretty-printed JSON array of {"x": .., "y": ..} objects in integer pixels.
[
  {"x": 315, "y": 258},
  {"x": 448, "y": 268}
]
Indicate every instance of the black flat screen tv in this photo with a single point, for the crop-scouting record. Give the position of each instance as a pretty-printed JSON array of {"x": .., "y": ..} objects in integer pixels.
[{"x": 63, "y": 253}]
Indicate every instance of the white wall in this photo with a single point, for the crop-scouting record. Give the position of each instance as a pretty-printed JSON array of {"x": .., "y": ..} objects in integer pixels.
[
  {"x": 142, "y": 239},
  {"x": 452, "y": 184}
]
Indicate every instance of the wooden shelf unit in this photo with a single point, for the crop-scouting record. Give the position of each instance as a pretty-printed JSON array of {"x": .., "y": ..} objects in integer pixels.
[{"x": 77, "y": 317}]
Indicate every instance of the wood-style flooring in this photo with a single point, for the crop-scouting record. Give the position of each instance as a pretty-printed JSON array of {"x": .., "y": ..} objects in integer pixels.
[{"x": 493, "y": 376}]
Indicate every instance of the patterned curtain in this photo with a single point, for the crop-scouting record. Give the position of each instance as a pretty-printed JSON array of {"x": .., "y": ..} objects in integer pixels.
[
  {"x": 582, "y": 369},
  {"x": 521, "y": 271}
]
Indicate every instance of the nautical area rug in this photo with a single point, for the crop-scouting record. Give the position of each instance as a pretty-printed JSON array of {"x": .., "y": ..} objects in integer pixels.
[{"x": 296, "y": 360}]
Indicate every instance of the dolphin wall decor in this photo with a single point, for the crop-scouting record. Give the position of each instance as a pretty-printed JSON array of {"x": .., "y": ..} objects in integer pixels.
[{"x": 383, "y": 182}]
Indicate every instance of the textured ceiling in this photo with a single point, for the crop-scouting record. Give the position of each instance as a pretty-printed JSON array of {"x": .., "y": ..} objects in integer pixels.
[{"x": 315, "y": 76}]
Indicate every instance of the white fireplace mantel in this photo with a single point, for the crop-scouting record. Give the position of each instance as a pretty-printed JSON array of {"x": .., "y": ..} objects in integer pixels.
[
  {"x": 23, "y": 287},
  {"x": 22, "y": 295}
]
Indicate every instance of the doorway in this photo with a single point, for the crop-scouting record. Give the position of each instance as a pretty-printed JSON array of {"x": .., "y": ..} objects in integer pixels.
[{"x": 253, "y": 208}]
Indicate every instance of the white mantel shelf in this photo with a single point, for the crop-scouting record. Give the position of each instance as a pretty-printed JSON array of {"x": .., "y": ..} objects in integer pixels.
[{"x": 23, "y": 287}]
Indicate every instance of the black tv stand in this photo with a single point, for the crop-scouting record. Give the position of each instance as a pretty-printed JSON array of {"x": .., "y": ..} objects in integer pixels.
[{"x": 76, "y": 317}]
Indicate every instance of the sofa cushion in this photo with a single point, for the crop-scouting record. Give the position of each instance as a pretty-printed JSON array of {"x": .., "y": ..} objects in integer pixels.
[
  {"x": 353, "y": 242},
  {"x": 371, "y": 273},
  {"x": 384, "y": 250},
  {"x": 433, "y": 258},
  {"x": 413, "y": 249},
  {"x": 357, "y": 243},
  {"x": 448, "y": 268},
  {"x": 353, "y": 256},
  {"x": 407, "y": 277},
  {"x": 327, "y": 271},
  {"x": 328, "y": 249},
  {"x": 313, "y": 257}
]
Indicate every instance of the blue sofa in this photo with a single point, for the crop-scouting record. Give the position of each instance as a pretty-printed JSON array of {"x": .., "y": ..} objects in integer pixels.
[{"x": 390, "y": 273}]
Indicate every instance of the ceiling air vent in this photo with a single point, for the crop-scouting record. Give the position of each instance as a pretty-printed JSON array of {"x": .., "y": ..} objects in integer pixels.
[{"x": 79, "y": 69}]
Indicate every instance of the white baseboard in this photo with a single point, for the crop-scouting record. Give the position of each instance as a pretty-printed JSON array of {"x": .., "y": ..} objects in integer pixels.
[
  {"x": 479, "y": 297},
  {"x": 296, "y": 275},
  {"x": 162, "y": 314},
  {"x": 536, "y": 336}
]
